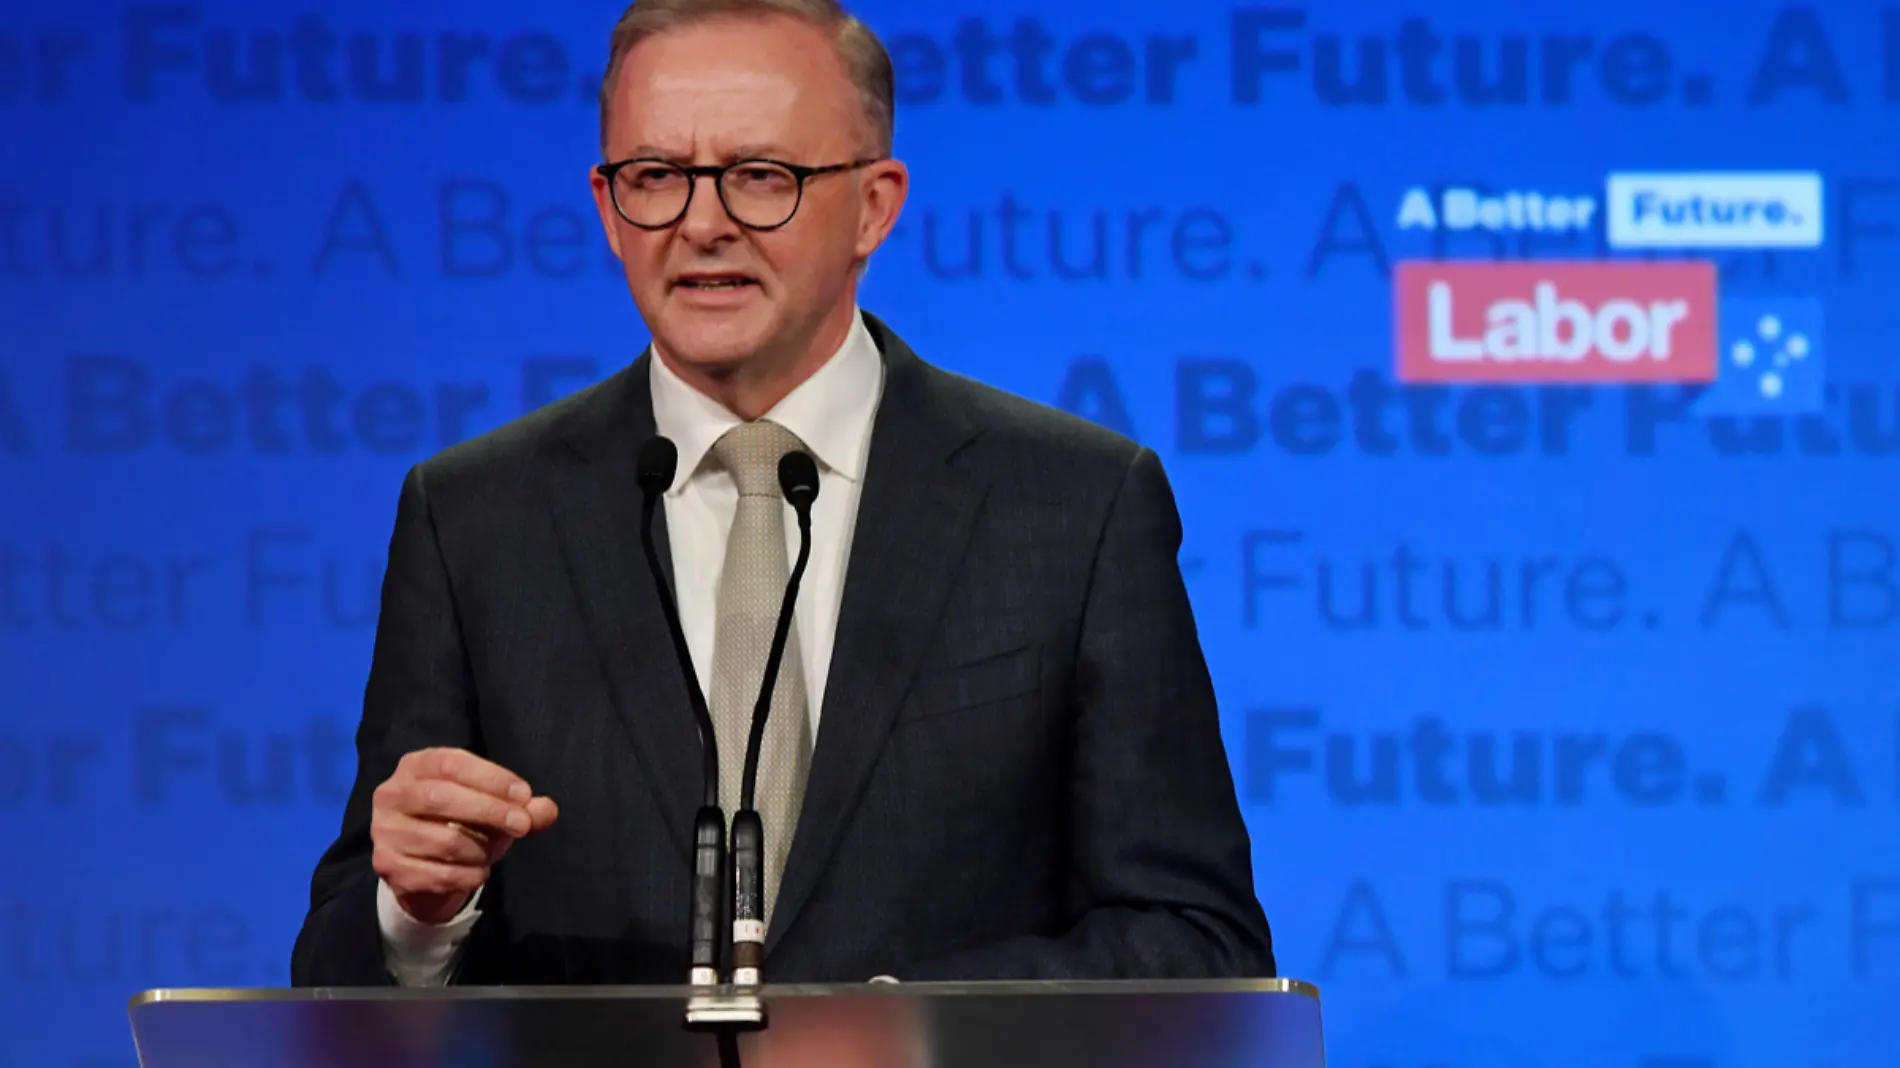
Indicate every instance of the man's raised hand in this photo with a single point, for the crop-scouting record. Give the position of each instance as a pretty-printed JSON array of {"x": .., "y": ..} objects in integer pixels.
[{"x": 440, "y": 823}]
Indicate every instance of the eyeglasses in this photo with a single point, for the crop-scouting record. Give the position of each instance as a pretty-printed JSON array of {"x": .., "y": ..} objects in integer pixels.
[{"x": 762, "y": 194}]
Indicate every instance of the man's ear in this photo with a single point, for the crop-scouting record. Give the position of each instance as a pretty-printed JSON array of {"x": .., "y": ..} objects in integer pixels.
[
  {"x": 604, "y": 204},
  {"x": 883, "y": 187}
]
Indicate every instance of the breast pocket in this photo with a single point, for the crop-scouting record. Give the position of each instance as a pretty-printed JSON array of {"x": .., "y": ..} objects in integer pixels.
[{"x": 986, "y": 680}]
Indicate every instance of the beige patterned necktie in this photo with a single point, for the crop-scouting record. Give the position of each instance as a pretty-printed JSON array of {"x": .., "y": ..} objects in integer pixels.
[{"x": 751, "y": 588}]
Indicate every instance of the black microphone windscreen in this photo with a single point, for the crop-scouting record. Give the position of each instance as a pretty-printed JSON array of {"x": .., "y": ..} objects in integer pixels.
[
  {"x": 798, "y": 478},
  {"x": 658, "y": 457}
]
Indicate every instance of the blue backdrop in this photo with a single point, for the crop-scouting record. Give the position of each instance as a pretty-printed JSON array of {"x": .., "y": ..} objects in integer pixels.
[{"x": 1566, "y": 718}]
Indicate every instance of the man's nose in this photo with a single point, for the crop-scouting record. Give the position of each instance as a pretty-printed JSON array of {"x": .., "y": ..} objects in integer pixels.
[{"x": 706, "y": 218}]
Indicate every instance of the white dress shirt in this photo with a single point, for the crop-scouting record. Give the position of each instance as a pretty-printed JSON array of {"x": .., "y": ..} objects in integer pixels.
[{"x": 832, "y": 412}]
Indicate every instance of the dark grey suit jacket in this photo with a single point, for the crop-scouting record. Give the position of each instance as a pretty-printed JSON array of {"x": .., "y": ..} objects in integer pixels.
[{"x": 1018, "y": 774}]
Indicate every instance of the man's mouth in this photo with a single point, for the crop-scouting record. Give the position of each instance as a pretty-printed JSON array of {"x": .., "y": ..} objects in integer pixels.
[{"x": 721, "y": 280}]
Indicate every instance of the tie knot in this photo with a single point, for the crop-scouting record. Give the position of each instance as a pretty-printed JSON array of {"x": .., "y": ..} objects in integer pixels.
[{"x": 751, "y": 451}]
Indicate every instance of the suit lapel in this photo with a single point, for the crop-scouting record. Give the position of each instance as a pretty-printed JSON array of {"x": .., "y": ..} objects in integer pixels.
[
  {"x": 596, "y": 503},
  {"x": 914, "y": 518}
]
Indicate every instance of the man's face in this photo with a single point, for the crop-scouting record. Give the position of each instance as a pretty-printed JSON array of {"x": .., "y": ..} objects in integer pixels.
[{"x": 715, "y": 294}]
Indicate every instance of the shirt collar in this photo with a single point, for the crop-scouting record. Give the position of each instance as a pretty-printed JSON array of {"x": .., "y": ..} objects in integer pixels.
[{"x": 831, "y": 412}]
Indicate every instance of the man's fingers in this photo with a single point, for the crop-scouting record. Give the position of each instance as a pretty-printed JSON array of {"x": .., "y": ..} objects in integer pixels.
[
  {"x": 445, "y": 801},
  {"x": 444, "y": 843},
  {"x": 464, "y": 767}
]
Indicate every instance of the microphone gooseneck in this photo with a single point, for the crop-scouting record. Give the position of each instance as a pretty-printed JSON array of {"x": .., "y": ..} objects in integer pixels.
[
  {"x": 798, "y": 481},
  {"x": 659, "y": 458}
]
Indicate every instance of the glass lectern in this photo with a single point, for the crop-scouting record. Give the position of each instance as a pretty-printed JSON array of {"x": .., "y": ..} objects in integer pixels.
[{"x": 1189, "y": 1024}]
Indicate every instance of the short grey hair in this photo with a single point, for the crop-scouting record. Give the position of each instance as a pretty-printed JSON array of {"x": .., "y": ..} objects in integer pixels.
[{"x": 865, "y": 59}]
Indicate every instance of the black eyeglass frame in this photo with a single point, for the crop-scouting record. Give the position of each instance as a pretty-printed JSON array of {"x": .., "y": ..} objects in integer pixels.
[{"x": 717, "y": 172}]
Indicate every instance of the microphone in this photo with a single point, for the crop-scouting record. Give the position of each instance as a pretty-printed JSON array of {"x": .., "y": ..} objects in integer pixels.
[
  {"x": 658, "y": 459},
  {"x": 798, "y": 481}
]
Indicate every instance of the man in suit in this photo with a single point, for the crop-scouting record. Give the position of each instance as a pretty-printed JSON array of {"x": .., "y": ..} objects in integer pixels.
[{"x": 993, "y": 750}]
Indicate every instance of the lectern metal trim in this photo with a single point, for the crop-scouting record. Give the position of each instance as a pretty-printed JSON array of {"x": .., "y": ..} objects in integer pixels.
[{"x": 1186, "y": 1023}]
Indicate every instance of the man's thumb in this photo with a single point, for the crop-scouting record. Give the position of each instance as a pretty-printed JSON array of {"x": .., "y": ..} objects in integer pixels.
[{"x": 542, "y": 812}]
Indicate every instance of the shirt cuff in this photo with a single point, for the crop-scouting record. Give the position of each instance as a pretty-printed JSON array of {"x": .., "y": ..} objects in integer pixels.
[{"x": 417, "y": 953}]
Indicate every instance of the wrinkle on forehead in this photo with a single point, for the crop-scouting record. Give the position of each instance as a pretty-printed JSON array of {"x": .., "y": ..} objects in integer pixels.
[
  {"x": 716, "y": 113},
  {"x": 698, "y": 90}
]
